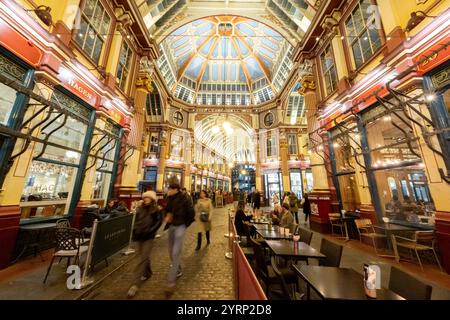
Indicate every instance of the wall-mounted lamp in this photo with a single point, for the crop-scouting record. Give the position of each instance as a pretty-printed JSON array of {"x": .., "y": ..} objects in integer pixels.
[
  {"x": 416, "y": 18},
  {"x": 43, "y": 13}
]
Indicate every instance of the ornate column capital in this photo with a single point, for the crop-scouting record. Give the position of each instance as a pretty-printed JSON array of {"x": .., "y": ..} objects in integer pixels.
[
  {"x": 144, "y": 82},
  {"x": 308, "y": 84}
]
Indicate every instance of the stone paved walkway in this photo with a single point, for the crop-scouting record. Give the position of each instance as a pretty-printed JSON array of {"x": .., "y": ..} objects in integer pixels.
[{"x": 207, "y": 274}]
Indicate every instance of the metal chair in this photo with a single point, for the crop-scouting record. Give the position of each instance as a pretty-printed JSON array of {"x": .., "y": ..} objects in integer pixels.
[
  {"x": 417, "y": 243},
  {"x": 407, "y": 286},
  {"x": 333, "y": 253},
  {"x": 67, "y": 246},
  {"x": 63, "y": 223},
  {"x": 366, "y": 229},
  {"x": 336, "y": 221}
]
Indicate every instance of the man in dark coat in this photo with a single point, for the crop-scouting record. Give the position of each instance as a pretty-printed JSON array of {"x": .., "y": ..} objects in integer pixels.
[{"x": 180, "y": 214}]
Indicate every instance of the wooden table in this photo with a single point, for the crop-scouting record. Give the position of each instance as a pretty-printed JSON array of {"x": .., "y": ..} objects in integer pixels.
[
  {"x": 271, "y": 234},
  {"x": 338, "y": 283},
  {"x": 293, "y": 249},
  {"x": 259, "y": 221},
  {"x": 264, "y": 226}
]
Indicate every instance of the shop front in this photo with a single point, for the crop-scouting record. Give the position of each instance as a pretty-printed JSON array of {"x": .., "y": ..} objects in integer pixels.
[
  {"x": 295, "y": 177},
  {"x": 54, "y": 176},
  {"x": 172, "y": 175},
  {"x": 16, "y": 76},
  {"x": 273, "y": 184},
  {"x": 437, "y": 86}
]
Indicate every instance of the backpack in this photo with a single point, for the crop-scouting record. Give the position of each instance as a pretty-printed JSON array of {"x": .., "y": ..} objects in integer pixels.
[{"x": 190, "y": 211}]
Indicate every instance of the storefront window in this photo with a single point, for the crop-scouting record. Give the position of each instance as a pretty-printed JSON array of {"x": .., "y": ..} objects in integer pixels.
[
  {"x": 395, "y": 158},
  {"x": 172, "y": 175},
  {"x": 345, "y": 142},
  {"x": 296, "y": 183},
  {"x": 8, "y": 95},
  {"x": 273, "y": 184},
  {"x": 309, "y": 180},
  {"x": 52, "y": 173},
  {"x": 106, "y": 154}
]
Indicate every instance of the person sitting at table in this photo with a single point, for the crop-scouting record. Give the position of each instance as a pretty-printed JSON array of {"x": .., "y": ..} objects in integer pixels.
[
  {"x": 287, "y": 219},
  {"x": 240, "y": 218},
  {"x": 110, "y": 206},
  {"x": 120, "y": 210},
  {"x": 276, "y": 214}
]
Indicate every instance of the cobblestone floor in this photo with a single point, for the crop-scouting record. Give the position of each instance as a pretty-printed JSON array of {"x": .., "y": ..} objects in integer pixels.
[{"x": 207, "y": 274}]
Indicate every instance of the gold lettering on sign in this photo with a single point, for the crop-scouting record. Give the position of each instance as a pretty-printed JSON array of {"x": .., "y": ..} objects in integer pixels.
[{"x": 79, "y": 89}]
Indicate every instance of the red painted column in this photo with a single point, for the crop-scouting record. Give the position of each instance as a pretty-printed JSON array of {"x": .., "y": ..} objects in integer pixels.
[
  {"x": 442, "y": 220},
  {"x": 9, "y": 228}
]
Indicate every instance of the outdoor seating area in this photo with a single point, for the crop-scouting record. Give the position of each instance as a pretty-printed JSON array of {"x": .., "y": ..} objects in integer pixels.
[{"x": 295, "y": 270}]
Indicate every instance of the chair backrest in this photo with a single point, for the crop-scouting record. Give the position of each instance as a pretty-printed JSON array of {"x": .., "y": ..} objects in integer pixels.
[
  {"x": 63, "y": 223},
  {"x": 333, "y": 253},
  {"x": 284, "y": 288},
  {"x": 424, "y": 236},
  {"x": 362, "y": 223},
  {"x": 260, "y": 261},
  {"x": 334, "y": 216},
  {"x": 305, "y": 236},
  {"x": 407, "y": 286},
  {"x": 66, "y": 238}
]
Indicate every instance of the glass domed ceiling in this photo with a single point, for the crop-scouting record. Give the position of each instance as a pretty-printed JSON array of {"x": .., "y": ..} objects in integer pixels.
[{"x": 225, "y": 60}]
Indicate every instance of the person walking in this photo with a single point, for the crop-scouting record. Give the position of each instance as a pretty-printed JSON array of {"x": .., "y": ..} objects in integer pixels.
[
  {"x": 203, "y": 210},
  {"x": 306, "y": 207},
  {"x": 293, "y": 206},
  {"x": 275, "y": 199},
  {"x": 256, "y": 201},
  {"x": 180, "y": 214},
  {"x": 148, "y": 219}
]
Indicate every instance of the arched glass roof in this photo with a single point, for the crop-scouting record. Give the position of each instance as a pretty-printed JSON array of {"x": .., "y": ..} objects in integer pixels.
[{"x": 225, "y": 60}]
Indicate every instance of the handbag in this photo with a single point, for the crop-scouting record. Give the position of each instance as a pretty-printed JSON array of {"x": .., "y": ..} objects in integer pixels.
[{"x": 204, "y": 216}]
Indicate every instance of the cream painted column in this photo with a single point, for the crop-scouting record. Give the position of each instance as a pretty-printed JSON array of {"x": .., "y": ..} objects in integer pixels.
[
  {"x": 339, "y": 57},
  {"x": 162, "y": 161},
  {"x": 318, "y": 169},
  {"x": 189, "y": 159},
  {"x": 114, "y": 53},
  {"x": 284, "y": 155},
  {"x": 258, "y": 166}
]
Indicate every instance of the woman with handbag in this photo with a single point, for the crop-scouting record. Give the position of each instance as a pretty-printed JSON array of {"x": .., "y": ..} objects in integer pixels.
[{"x": 203, "y": 210}]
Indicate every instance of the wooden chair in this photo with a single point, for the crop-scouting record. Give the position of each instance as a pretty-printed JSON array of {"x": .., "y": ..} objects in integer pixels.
[
  {"x": 422, "y": 241},
  {"x": 366, "y": 229},
  {"x": 336, "y": 221},
  {"x": 67, "y": 246},
  {"x": 333, "y": 253},
  {"x": 407, "y": 286}
]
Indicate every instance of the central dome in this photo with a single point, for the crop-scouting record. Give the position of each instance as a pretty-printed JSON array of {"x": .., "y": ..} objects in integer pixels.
[{"x": 225, "y": 60}]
